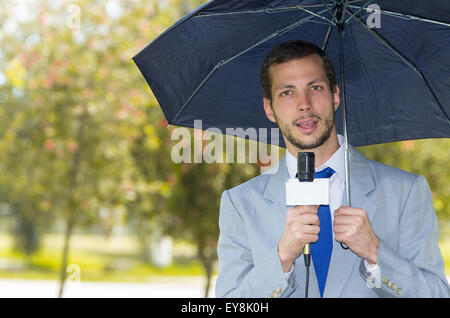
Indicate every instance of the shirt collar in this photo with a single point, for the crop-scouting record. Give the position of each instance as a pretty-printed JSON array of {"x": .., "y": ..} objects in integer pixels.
[{"x": 335, "y": 162}]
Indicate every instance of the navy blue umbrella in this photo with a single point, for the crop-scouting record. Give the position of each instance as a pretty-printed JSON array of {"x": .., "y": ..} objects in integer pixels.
[{"x": 394, "y": 64}]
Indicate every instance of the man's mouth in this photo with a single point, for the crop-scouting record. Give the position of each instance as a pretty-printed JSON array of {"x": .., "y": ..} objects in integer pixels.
[{"x": 307, "y": 126}]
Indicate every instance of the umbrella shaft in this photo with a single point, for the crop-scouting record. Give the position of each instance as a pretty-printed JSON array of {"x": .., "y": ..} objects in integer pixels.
[{"x": 344, "y": 120}]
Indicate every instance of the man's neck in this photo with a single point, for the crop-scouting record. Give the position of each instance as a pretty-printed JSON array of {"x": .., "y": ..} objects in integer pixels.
[{"x": 321, "y": 153}]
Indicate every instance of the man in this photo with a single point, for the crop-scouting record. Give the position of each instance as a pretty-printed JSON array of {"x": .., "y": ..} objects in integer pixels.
[{"x": 391, "y": 229}]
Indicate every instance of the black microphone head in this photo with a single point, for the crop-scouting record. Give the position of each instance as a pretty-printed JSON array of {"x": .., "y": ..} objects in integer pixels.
[{"x": 305, "y": 166}]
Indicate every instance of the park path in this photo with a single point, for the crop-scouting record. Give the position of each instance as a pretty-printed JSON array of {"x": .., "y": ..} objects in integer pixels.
[{"x": 159, "y": 287}]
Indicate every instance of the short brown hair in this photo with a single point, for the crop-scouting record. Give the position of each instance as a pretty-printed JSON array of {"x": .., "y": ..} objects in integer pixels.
[{"x": 291, "y": 50}]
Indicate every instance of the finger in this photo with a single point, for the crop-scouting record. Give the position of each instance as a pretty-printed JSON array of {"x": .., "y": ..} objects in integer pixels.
[
  {"x": 312, "y": 238},
  {"x": 347, "y": 210},
  {"x": 338, "y": 229},
  {"x": 344, "y": 219},
  {"x": 310, "y": 229},
  {"x": 341, "y": 238},
  {"x": 312, "y": 219},
  {"x": 305, "y": 209}
]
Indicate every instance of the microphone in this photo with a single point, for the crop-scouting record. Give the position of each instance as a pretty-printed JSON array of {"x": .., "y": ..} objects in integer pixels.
[
  {"x": 306, "y": 190},
  {"x": 305, "y": 166},
  {"x": 305, "y": 173}
]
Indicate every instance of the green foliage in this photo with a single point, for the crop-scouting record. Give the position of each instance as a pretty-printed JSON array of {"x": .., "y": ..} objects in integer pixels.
[
  {"x": 427, "y": 157},
  {"x": 75, "y": 109}
]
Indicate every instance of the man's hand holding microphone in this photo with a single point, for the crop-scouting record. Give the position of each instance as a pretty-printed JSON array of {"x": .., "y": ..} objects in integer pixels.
[{"x": 302, "y": 227}]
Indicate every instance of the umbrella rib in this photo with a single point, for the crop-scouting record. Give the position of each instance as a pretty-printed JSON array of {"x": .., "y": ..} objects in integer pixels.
[
  {"x": 345, "y": 9},
  {"x": 326, "y": 5},
  {"x": 225, "y": 61},
  {"x": 276, "y": 10},
  {"x": 268, "y": 10},
  {"x": 318, "y": 15},
  {"x": 327, "y": 35},
  {"x": 325, "y": 40},
  {"x": 407, "y": 62},
  {"x": 323, "y": 23},
  {"x": 405, "y": 16},
  {"x": 364, "y": 6}
]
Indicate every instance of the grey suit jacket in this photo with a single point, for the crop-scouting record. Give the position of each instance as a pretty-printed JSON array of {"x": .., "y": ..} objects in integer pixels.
[{"x": 399, "y": 206}]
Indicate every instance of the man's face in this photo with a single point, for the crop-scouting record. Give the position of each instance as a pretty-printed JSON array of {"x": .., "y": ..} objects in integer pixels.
[{"x": 302, "y": 104}]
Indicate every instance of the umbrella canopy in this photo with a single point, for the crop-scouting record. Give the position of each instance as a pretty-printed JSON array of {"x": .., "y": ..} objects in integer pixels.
[{"x": 396, "y": 62}]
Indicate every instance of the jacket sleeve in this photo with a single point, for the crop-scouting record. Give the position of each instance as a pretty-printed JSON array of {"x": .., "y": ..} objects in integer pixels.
[
  {"x": 414, "y": 268},
  {"x": 238, "y": 275}
]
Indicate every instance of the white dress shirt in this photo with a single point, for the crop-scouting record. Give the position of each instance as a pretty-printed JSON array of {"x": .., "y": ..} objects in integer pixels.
[{"x": 337, "y": 184}]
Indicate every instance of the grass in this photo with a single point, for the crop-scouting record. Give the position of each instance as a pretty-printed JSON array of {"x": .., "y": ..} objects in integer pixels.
[
  {"x": 444, "y": 243},
  {"x": 116, "y": 259},
  {"x": 98, "y": 258},
  {"x": 445, "y": 249}
]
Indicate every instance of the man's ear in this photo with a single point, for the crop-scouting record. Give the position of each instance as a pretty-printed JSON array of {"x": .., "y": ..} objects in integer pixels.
[
  {"x": 337, "y": 100},
  {"x": 268, "y": 110}
]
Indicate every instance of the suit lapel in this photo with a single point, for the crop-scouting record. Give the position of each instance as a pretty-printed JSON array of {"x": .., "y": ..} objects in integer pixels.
[
  {"x": 344, "y": 262},
  {"x": 274, "y": 216},
  {"x": 275, "y": 188}
]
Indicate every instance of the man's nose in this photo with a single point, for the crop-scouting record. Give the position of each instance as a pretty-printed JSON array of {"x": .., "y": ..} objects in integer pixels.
[{"x": 303, "y": 102}]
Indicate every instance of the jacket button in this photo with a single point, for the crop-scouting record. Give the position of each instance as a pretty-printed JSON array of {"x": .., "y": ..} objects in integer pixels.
[
  {"x": 394, "y": 286},
  {"x": 389, "y": 283},
  {"x": 399, "y": 291}
]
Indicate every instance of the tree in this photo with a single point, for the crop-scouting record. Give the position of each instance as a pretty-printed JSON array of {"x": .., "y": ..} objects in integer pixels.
[
  {"x": 195, "y": 200},
  {"x": 71, "y": 123},
  {"x": 76, "y": 112},
  {"x": 427, "y": 157}
]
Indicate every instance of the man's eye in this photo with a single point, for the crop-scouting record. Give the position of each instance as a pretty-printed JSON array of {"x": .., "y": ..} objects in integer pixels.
[
  {"x": 317, "y": 88},
  {"x": 286, "y": 93}
]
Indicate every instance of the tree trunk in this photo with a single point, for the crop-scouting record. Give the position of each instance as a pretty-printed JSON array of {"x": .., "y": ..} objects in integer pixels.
[
  {"x": 72, "y": 206},
  {"x": 208, "y": 268},
  {"x": 67, "y": 235},
  {"x": 207, "y": 260},
  {"x": 26, "y": 232},
  {"x": 143, "y": 238}
]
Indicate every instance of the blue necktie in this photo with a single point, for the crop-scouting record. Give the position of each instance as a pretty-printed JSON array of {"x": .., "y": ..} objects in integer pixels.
[{"x": 321, "y": 250}]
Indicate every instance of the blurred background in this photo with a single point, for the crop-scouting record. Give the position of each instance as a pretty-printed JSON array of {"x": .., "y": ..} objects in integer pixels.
[{"x": 91, "y": 204}]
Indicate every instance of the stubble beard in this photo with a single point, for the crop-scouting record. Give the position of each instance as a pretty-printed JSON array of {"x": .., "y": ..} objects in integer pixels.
[{"x": 287, "y": 133}]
